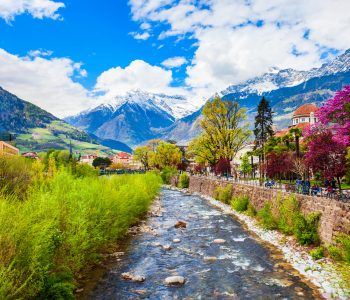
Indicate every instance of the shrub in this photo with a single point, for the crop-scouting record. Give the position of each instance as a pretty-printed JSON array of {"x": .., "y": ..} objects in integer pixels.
[
  {"x": 223, "y": 194},
  {"x": 167, "y": 173},
  {"x": 251, "y": 211},
  {"x": 287, "y": 210},
  {"x": 317, "y": 253},
  {"x": 335, "y": 253},
  {"x": 184, "y": 181},
  {"x": 266, "y": 218},
  {"x": 240, "y": 204},
  {"x": 305, "y": 229},
  {"x": 62, "y": 226},
  {"x": 341, "y": 251}
]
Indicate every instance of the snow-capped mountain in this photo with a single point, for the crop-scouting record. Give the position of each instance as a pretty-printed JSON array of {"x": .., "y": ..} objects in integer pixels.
[
  {"x": 133, "y": 118},
  {"x": 276, "y": 78},
  {"x": 285, "y": 90}
]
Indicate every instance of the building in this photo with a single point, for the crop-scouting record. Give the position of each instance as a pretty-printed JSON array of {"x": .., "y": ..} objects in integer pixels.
[
  {"x": 87, "y": 159},
  {"x": 122, "y": 158},
  {"x": 32, "y": 155},
  {"x": 7, "y": 149},
  {"x": 303, "y": 116}
]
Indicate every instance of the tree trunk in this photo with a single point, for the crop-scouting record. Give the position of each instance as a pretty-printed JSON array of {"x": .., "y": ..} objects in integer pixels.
[
  {"x": 297, "y": 148},
  {"x": 338, "y": 179}
]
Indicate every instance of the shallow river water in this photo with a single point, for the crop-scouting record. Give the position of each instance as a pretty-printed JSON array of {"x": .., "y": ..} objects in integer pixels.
[{"x": 243, "y": 269}]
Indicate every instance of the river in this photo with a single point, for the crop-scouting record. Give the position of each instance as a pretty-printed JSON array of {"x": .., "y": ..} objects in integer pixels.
[{"x": 239, "y": 268}]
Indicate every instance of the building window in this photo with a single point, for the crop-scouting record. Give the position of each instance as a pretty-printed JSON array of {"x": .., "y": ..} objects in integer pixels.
[{"x": 296, "y": 121}]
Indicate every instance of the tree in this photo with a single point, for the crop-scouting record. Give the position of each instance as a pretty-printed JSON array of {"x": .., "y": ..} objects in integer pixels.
[
  {"x": 101, "y": 162},
  {"x": 297, "y": 133},
  {"x": 245, "y": 166},
  {"x": 223, "y": 167},
  {"x": 142, "y": 154},
  {"x": 326, "y": 153},
  {"x": 263, "y": 124},
  {"x": 225, "y": 132},
  {"x": 278, "y": 165},
  {"x": 299, "y": 167},
  {"x": 165, "y": 155},
  {"x": 336, "y": 113}
]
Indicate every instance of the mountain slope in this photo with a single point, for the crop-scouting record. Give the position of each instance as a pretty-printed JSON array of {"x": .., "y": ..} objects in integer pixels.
[
  {"x": 133, "y": 118},
  {"x": 37, "y": 130},
  {"x": 285, "y": 89}
]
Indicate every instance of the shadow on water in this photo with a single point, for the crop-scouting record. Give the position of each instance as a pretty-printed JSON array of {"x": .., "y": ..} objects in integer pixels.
[{"x": 240, "y": 268}]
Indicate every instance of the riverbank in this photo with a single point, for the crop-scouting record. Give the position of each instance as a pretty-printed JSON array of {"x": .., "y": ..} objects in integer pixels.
[{"x": 321, "y": 273}]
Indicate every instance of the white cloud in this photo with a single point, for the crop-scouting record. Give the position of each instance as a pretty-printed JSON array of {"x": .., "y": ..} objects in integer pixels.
[
  {"x": 137, "y": 75},
  {"x": 174, "y": 62},
  {"x": 231, "y": 45},
  {"x": 40, "y": 52},
  {"x": 140, "y": 36},
  {"x": 37, "y": 8},
  {"x": 48, "y": 83},
  {"x": 145, "y": 26}
]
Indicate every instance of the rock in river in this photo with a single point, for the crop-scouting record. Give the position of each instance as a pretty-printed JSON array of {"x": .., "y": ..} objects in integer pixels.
[
  {"x": 180, "y": 224},
  {"x": 176, "y": 240},
  {"x": 219, "y": 241},
  {"x": 175, "y": 280},
  {"x": 133, "y": 277}
]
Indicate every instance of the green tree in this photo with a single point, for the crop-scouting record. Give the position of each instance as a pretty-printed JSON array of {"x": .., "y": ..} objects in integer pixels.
[
  {"x": 297, "y": 133},
  {"x": 225, "y": 131},
  {"x": 165, "y": 155},
  {"x": 142, "y": 154},
  {"x": 101, "y": 162},
  {"x": 245, "y": 166}
]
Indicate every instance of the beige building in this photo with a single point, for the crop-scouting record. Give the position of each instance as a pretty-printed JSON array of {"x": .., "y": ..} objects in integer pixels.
[{"x": 7, "y": 149}]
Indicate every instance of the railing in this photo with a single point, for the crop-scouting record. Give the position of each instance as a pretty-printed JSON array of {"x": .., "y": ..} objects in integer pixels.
[{"x": 288, "y": 187}]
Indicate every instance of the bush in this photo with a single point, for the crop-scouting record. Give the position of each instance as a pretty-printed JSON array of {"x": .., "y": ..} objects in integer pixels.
[
  {"x": 184, "y": 181},
  {"x": 223, "y": 194},
  {"x": 167, "y": 173},
  {"x": 266, "y": 218},
  {"x": 240, "y": 204},
  {"x": 317, "y": 253},
  {"x": 341, "y": 251},
  {"x": 305, "y": 229},
  {"x": 61, "y": 226},
  {"x": 251, "y": 211},
  {"x": 287, "y": 210},
  {"x": 335, "y": 253}
]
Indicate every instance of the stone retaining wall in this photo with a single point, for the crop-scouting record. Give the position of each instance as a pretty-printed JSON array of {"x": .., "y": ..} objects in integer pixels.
[{"x": 335, "y": 215}]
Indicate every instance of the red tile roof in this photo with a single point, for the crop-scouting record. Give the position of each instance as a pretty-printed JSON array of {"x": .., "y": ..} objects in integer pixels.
[
  {"x": 305, "y": 110},
  {"x": 123, "y": 155}
]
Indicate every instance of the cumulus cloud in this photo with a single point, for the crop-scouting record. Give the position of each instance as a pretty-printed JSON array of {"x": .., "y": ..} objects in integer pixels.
[
  {"x": 37, "y": 8},
  {"x": 239, "y": 39},
  {"x": 137, "y": 75},
  {"x": 174, "y": 62},
  {"x": 48, "y": 83},
  {"x": 140, "y": 36}
]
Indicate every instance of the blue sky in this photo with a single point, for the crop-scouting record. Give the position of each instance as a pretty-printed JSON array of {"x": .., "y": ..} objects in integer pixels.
[{"x": 69, "y": 55}]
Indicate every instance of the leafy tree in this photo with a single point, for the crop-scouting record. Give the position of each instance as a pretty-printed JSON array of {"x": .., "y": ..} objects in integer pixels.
[
  {"x": 142, "y": 154},
  {"x": 101, "y": 162},
  {"x": 165, "y": 155},
  {"x": 297, "y": 133},
  {"x": 223, "y": 167},
  {"x": 245, "y": 167},
  {"x": 278, "y": 165},
  {"x": 326, "y": 153},
  {"x": 225, "y": 132},
  {"x": 263, "y": 124}
]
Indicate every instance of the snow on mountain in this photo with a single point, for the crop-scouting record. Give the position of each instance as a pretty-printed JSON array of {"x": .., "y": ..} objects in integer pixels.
[
  {"x": 176, "y": 106},
  {"x": 276, "y": 78}
]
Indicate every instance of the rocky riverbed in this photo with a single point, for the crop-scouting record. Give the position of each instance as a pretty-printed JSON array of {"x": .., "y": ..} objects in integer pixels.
[{"x": 188, "y": 249}]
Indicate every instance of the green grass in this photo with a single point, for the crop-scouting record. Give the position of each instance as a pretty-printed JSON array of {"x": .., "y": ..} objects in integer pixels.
[{"x": 62, "y": 225}]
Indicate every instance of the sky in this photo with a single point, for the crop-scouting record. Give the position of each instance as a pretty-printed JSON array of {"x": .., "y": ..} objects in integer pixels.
[{"x": 69, "y": 55}]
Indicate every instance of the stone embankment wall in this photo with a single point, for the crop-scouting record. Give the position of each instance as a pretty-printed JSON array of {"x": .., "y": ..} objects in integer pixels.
[{"x": 335, "y": 215}]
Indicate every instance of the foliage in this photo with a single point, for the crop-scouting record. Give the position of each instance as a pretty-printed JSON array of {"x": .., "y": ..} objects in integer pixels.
[
  {"x": 167, "y": 173},
  {"x": 278, "y": 165},
  {"x": 240, "y": 204},
  {"x": 223, "y": 194},
  {"x": 297, "y": 133},
  {"x": 61, "y": 226},
  {"x": 223, "y": 167},
  {"x": 165, "y": 155},
  {"x": 118, "y": 166},
  {"x": 101, "y": 162},
  {"x": 317, "y": 253},
  {"x": 225, "y": 132},
  {"x": 341, "y": 250},
  {"x": 336, "y": 111},
  {"x": 326, "y": 153},
  {"x": 84, "y": 170},
  {"x": 287, "y": 210},
  {"x": 266, "y": 218},
  {"x": 306, "y": 228},
  {"x": 142, "y": 154},
  {"x": 184, "y": 180},
  {"x": 251, "y": 211},
  {"x": 15, "y": 175},
  {"x": 245, "y": 167},
  {"x": 263, "y": 123}
]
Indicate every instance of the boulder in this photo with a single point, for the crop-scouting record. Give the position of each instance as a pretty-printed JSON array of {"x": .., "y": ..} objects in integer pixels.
[
  {"x": 176, "y": 240},
  {"x": 133, "y": 277},
  {"x": 180, "y": 224},
  {"x": 219, "y": 241},
  {"x": 175, "y": 280}
]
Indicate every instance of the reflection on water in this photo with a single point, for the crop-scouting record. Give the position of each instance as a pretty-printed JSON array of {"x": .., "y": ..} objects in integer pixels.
[{"x": 240, "y": 268}]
